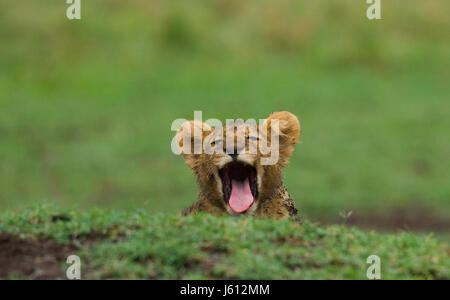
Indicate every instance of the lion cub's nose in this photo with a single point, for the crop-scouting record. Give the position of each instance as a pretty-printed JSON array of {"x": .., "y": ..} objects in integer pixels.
[{"x": 235, "y": 152}]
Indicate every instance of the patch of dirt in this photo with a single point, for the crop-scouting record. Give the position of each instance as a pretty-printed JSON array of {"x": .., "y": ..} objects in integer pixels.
[
  {"x": 206, "y": 264},
  {"x": 294, "y": 241},
  {"x": 44, "y": 259},
  {"x": 214, "y": 249},
  {"x": 60, "y": 218},
  {"x": 417, "y": 219},
  {"x": 34, "y": 260}
]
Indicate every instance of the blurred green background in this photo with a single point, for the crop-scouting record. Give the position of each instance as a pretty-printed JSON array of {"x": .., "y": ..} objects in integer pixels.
[{"x": 86, "y": 106}]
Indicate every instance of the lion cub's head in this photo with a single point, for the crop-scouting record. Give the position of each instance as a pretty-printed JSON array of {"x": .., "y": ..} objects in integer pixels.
[{"x": 239, "y": 165}]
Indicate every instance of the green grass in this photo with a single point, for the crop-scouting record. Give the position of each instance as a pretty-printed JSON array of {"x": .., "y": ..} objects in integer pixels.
[
  {"x": 138, "y": 245},
  {"x": 86, "y": 106}
]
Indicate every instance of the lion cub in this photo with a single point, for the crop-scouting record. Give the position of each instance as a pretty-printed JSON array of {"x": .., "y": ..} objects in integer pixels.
[{"x": 235, "y": 173}]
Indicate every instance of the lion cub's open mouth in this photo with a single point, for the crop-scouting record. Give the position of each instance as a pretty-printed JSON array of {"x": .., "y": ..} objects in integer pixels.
[{"x": 239, "y": 185}]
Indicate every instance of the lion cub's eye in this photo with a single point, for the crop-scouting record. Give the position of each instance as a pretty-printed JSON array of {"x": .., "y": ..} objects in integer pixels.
[
  {"x": 216, "y": 142},
  {"x": 252, "y": 138}
]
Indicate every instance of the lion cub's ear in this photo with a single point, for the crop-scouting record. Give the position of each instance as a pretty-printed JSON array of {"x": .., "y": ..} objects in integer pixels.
[
  {"x": 289, "y": 133},
  {"x": 190, "y": 137}
]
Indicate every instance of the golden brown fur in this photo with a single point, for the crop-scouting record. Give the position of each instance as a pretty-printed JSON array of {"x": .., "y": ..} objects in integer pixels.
[{"x": 272, "y": 200}]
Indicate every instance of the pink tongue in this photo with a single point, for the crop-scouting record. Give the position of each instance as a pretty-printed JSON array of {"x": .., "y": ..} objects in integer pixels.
[{"x": 241, "y": 197}]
